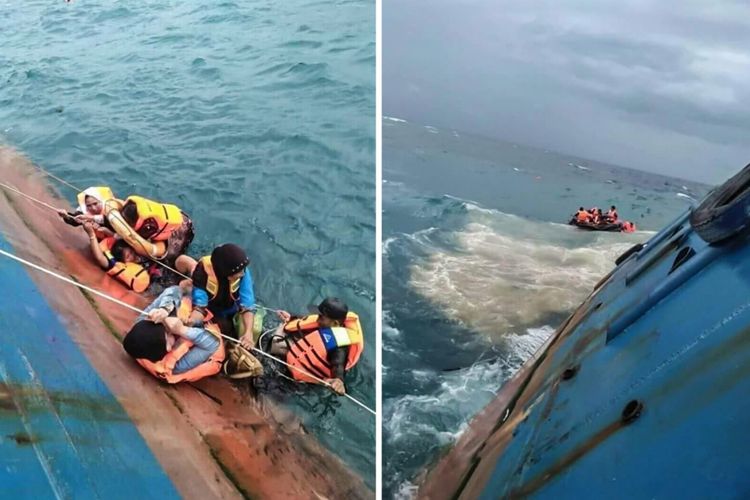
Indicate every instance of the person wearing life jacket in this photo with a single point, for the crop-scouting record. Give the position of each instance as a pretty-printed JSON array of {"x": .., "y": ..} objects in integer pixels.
[
  {"x": 118, "y": 260},
  {"x": 611, "y": 215},
  {"x": 327, "y": 344},
  {"x": 582, "y": 216},
  {"x": 223, "y": 293},
  {"x": 91, "y": 203},
  {"x": 222, "y": 289},
  {"x": 170, "y": 350},
  {"x": 153, "y": 229}
]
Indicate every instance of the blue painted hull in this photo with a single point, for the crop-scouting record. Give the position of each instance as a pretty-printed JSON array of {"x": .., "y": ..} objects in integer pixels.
[
  {"x": 62, "y": 433},
  {"x": 643, "y": 393}
]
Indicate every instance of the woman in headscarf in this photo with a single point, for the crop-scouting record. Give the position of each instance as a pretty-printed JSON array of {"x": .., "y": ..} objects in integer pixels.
[
  {"x": 91, "y": 209},
  {"x": 223, "y": 292}
]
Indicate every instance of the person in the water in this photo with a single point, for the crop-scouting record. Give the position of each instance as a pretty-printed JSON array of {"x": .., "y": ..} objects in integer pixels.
[
  {"x": 155, "y": 230},
  {"x": 326, "y": 344}
]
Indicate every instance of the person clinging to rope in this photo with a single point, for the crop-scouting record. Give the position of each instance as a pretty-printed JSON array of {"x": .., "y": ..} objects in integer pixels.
[
  {"x": 154, "y": 230},
  {"x": 170, "y": 350},
  {"x": 326, "y": 344},
  {"x": 91, "y": 203},
  {"x": 223, "y": 292},
  {"x": 119, "y": 260}
]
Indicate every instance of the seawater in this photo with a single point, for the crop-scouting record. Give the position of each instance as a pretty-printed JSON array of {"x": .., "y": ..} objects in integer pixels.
[
  {"x": 479, "y": 268},
  {"x": 256, "y": 118}
]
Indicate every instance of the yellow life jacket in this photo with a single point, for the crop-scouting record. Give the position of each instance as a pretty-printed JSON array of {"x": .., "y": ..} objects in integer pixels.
[
  {"x": 167, "y": 218},
  {"x": 212, "y": 282},
  {"x": 142, "y": 246},
  {"x": 103, "y": 193},
  {"x": 130, "y": 274}
]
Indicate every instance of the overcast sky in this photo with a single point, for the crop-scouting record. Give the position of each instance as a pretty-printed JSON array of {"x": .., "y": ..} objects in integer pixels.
[{"x": 662, "y": 86}]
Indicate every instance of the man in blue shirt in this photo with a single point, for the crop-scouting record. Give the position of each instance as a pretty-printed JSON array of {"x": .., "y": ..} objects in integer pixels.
[{"x": 223, "y": 291}]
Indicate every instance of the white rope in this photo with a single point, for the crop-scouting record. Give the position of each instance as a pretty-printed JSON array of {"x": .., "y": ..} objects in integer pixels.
[
  {"x": 6, "y": 186},
  {"x": 150, "y": 257},
  {"x": 305, "y": 372},
  {"x": 57, "y": 178},
  {"x": 140, "y": 311}
]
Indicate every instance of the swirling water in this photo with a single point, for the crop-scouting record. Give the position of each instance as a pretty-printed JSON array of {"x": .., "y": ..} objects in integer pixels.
[
  {"x": 255, "y": 117},
  {"x": 479, "y": 267}
]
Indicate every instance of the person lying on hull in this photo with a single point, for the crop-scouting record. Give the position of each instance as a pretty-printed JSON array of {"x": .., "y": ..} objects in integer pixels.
[
  {"x": 118, "y": 259},
  {"x": 152, "y": 229},
  {"x": 223, "y": 293},
  {"x": 91, "y": 209},
  {"x": 326, "y": 344},
  {"x": 165, "y": 343}
]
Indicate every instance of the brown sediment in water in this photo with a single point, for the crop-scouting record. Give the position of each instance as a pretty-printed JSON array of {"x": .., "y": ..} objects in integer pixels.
[{"x": 243, "y": 447}]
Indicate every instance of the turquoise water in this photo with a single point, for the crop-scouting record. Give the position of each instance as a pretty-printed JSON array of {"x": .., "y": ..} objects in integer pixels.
[
  {"x": 480, "y": 266},
  {"x": 256, "y": 118}
]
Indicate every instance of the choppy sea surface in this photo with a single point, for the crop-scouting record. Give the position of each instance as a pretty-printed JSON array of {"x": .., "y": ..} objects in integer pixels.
[
  {"x": 480, "y": 267},
  {"x": 255, "y": 117}
]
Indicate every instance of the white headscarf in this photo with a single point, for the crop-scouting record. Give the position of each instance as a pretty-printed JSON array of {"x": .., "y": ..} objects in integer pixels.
[{"x": 94, "y": 193}]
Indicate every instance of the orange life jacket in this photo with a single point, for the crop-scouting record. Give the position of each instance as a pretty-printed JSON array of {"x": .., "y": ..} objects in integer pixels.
[
  {"x": 212, "y": 282},
  {"x": 164, "y": 218},
  {"x": 612, "y": 215},
  {"x": 130, "y": 274},
  {"x": 583, "y": 216},
  {"x": 310, "y": 352},
  {"x": 162, "y": 369}
]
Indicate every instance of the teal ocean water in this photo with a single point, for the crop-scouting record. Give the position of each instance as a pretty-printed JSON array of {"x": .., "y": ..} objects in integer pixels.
[
  {"x": 256, "y": 118},
  {"x": 480, "y": 266}
]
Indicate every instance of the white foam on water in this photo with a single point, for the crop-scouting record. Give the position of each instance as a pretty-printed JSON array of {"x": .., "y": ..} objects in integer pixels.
[
  {"x": 431, "y": 129},
  {"x": 509, "y": 273},
  {"x": 387, "y": 243},
  {"x": 394, "y": 119},
  {"x": 406, "y": 491},
  {"x": 440, "y": 417},
  {"x": 686, "y": 196}
]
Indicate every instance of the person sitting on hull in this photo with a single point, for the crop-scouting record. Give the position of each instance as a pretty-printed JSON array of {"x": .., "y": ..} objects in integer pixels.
[
  {"x": 223, "y": 293},
  {"x": 327, "y": 344},
  {"x": 155, "y": 230},
  {"x": 170, "y": 350},
  {"x": 118, "y": 260},
  {"x": 91, "y": 203}
]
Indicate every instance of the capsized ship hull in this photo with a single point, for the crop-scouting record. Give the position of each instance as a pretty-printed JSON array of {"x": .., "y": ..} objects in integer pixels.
[
  {"x": 80, "y": 419},
  {"x": 642, "y": 392}
]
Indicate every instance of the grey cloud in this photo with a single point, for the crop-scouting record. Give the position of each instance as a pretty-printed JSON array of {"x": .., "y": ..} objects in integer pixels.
[{"x": 672, "y": 75}]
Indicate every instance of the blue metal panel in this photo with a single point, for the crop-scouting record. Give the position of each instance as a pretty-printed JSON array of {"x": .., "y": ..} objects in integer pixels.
[
  {"x": 681, "y": 347},
  {"x": 62, "y": 433}
]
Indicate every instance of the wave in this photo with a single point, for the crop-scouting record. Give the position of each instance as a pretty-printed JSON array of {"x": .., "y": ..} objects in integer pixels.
[
  {"x": 499, "y": 272},
  {"x": 394, "y": 119}
]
